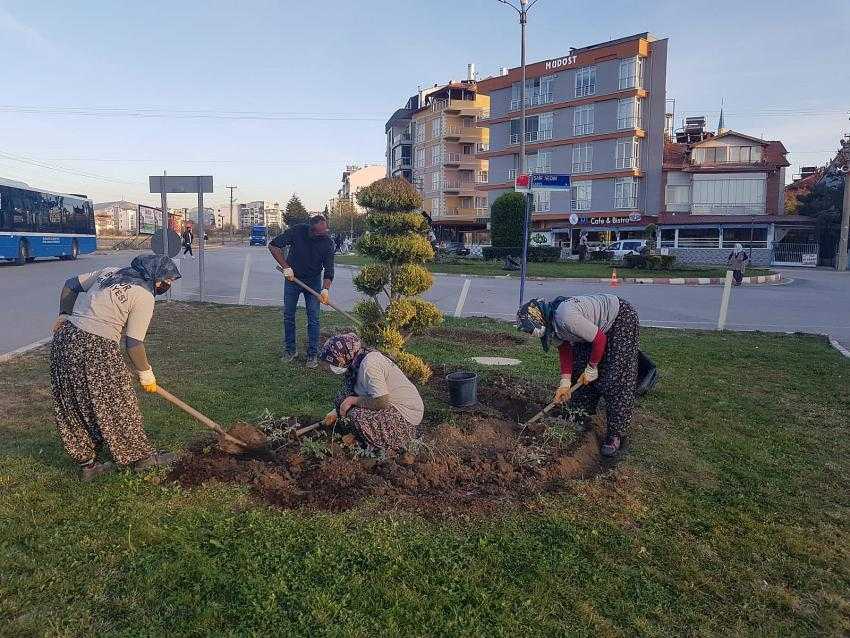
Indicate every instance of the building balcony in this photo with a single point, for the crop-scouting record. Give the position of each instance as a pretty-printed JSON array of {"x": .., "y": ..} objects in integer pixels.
[
  {"x": 402, "y": 162},
  {"x": 454, "y": 186},
  {"x": 460, "y": 159},
  {"x": 533, "y": 99}
]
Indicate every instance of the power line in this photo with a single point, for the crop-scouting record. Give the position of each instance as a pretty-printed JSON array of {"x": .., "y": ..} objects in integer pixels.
[
  {"x": 150, "y": 112},
  {"x": 61, "y": 169}
]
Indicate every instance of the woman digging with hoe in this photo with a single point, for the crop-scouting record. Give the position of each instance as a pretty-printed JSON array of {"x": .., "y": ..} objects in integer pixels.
[
  {"x": 384, "y": 407},
  {"x": 597, "y": 335},
  {"x": 93, "y": 394}
]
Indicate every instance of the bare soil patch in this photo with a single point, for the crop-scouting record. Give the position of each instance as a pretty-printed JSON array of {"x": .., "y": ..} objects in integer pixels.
[
  {"x": 473, "y": 461},
  {"x": 474, "y": 337}
]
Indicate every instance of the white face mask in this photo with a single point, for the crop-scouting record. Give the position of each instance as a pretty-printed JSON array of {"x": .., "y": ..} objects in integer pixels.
[
  {"x": 539, "y": 332},
  {"x": 337, "y": 369}
]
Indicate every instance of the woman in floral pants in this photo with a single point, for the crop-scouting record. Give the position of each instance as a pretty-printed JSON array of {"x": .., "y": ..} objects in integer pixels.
[{"x": 597, "y": 335}]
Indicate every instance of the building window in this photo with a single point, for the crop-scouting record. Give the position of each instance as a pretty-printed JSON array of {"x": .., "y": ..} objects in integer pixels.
[
  {"x": 545, "y": 125},
  {"x": 540, "y": 163},
  {"x": 435, "y": 155},
  {"x": 586, "y": 81},
  {"x": 583, "y": 119},
  {"x": 481, "y": 203},
  {"x": 699, "y": 238},
  {"x": 435, "y": 206},
  {"x": 628, "y": 113},
  {"x": 582, "y": 158},
  {"x": 483, "y": 177},
  {"x": 542, "y": 202},
  {"x": 582, "y": 193},
  {"x": 537, "y": 128},
  {"x": 537, "y": 91},
  {"x": 727, "y": 155},
  {"x": 631, "y": 73},
  {"x": 678, "y": 195},
  {"x": 729, "y": 196},
  {"x": 435, "y": 181},
  {"x": 668, "y": 237},
  {"x": 628, "y": 153},
  {"x": 419, "y": 133},
  {"x": 625, "y": 192},
  {"x": 436, "y": 127},
  {"x": 749, "y": 237}
]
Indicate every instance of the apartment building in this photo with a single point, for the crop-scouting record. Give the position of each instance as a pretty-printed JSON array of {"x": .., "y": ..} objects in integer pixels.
[
  {"x": 596, "y": 114},
  {"x": 124, "y": 214},
  {"x": 725, "y": 188},
  {"x": 399, "y": 134},
  {"x": 446, "y": 165},
  {"x": 260, "y": 213},
  {"x": 354, "y": 178}
]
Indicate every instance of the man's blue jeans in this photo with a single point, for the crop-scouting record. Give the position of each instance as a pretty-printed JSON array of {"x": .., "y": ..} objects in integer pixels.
[{"x": 291, "y": 292}]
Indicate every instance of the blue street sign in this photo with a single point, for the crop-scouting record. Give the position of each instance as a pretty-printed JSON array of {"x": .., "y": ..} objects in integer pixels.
[{"x": 550, "y": 182}]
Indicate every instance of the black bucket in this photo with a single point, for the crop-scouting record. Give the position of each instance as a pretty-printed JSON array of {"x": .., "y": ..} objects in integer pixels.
[{"x": 463, "y": 389}]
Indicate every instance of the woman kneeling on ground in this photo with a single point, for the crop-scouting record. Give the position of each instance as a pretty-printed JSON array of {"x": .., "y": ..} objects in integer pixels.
[
  {"x": 598, "y": 336},
  {"x": 93, "y": 394},
  {"x": 384, "y": 407}
]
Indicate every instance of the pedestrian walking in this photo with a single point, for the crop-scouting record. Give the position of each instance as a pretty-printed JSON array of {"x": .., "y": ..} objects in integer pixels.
[
  {"x": 582, "y": 247},
  {"x": 597, "y": 336},
  {"x": 737, "y": 262},
  {"x": 338, "y": 241},
  {"x": 382, "y": 404},
  {"x": 187, "y": 241},
  {"x": 311, "y": 259},
  {"x": 93, "y": 397}
]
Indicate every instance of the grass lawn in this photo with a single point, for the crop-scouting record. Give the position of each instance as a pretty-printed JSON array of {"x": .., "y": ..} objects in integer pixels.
[
  {"x": 559, "y": 269},
  {"x": 728, "y": 515}
]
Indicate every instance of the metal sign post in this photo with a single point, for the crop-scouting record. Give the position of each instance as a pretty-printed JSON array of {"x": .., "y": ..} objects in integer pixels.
[
  {"x": 199, "y": 184},
  {"x": 529, "y": 184}
]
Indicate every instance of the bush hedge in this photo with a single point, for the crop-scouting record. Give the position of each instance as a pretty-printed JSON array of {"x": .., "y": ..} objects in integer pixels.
[
  {"x": 507, "y": 217},
  {"x": 535, "y": 253},
  {"x": 649, "y": 262}
]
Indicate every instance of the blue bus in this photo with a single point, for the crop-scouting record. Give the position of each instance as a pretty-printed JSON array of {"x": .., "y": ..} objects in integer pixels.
[
  {"x": 36, "y": 223},
  {"x": 259, "y": 236}
]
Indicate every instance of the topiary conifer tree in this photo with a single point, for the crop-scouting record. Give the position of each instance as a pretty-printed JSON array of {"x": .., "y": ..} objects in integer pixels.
[{"x": 397, "y": 239}]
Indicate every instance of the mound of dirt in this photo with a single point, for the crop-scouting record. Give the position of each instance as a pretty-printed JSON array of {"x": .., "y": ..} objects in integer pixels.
[{"x": 473, "y": 461}]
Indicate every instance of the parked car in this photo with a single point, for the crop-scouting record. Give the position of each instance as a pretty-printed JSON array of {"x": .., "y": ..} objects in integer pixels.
[
  {"x": 455, "y": 248},
  {"x": 620, "y": 249}
]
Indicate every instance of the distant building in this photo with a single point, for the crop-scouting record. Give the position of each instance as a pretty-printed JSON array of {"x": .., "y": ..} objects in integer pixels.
[
  {"x": 728, "y": 188},
  {"x": 446, "y": 169},
  {"x": 260, "y": 213},
  {"x": 354, "y": 178},
  {"x": 124, "y": 214},
  {"x": 399, "y": 131}
]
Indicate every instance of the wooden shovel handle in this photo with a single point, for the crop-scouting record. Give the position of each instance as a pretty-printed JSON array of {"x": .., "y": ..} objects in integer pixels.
[
  {"x": 319, "y": 297},
  {"x": 203, "y": 419},
  {"x": 549, "y": 407}
]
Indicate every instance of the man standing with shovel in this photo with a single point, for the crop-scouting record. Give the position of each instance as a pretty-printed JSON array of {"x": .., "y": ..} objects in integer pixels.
[{"x": 311, "y": 260}]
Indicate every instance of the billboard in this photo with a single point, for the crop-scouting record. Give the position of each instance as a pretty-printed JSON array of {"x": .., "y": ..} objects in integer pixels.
[{"x": 150, "y": 219}]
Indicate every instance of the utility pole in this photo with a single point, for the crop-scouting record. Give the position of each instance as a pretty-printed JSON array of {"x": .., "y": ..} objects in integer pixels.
[
  {"x": 844, "y": 167},
  {"x": 231, "y": 188},
  {"x": 522, "y": 10}
]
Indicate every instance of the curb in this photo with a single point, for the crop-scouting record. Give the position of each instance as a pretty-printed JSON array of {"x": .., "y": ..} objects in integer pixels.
[
  {"x": 24, "y": 349},
  {"x": 841, "y": 349},
  {"x": 671, "y": 281}
]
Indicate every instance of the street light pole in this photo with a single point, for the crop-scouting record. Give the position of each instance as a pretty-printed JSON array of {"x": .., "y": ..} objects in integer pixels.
[{"x": 522, "y": 10}]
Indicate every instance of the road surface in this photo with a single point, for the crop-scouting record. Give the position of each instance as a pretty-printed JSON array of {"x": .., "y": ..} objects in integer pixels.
[{"x": 816, "y": 301}]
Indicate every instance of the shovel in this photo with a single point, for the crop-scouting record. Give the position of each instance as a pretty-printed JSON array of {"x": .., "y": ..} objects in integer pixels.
[
  {"x": 548, "y": 408},
  {"x": 205, "y": 420},
  {"x": 319, "y": 297}
]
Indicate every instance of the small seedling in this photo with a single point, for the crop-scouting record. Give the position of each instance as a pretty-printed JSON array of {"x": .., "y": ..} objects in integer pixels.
[{"x": 315, "y": 448}]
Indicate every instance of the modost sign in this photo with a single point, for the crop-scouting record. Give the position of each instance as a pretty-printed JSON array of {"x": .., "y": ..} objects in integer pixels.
[{"x": 558, "y": 63}]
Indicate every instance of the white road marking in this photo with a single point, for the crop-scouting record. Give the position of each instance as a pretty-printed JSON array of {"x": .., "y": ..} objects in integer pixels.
[
  {"x": 24, "y": 349},
  {"x": 462, "y": 299},
  {"x": 246, "y": 272},
  {"x": 834, "y": 343}
]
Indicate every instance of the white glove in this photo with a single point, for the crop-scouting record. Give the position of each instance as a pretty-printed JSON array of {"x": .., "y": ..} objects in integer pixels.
[
  {"x": 289, "y": 273},
  {"x": 562, "y": 394},
  {"x": 589, "y": 375},
  {"x": 147, "y": 380}
]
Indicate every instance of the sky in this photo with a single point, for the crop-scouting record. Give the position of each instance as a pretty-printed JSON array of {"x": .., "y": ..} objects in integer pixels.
[{"x": 277, "y": 98}]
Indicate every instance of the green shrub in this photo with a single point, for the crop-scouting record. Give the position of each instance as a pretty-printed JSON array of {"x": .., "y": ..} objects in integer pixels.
[
  {"x": 500, "y": 252},
  {"x": 397, "y": 240},
  {"x": 544, "y": 253},
  {"x": 601, "y": 255},
  {"x": 507, "y": 217}
]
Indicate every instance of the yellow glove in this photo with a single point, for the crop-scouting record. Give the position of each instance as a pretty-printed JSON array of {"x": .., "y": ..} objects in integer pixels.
[
  {"x": 330, "y": 418},
  {"x": 289, "y": 273},
  {"x": 326, "y": 296},
  {"x": 58, "y": 323},
  {"x": 147, "y": 380},
  {"x": 563, "y": 394},
  {"x": 589, "y": 375}
]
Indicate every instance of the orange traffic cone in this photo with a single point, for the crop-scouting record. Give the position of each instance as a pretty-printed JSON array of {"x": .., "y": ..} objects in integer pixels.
[{"x": 614, "y": 281}]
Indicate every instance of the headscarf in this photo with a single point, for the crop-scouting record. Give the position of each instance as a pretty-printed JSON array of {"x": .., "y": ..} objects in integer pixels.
[
  {"x": 538, "y": 313},
  {"x": 738, "y": 249},
  {"x": 345, "y": 351},
  {"x": 144, "y": 271}
]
